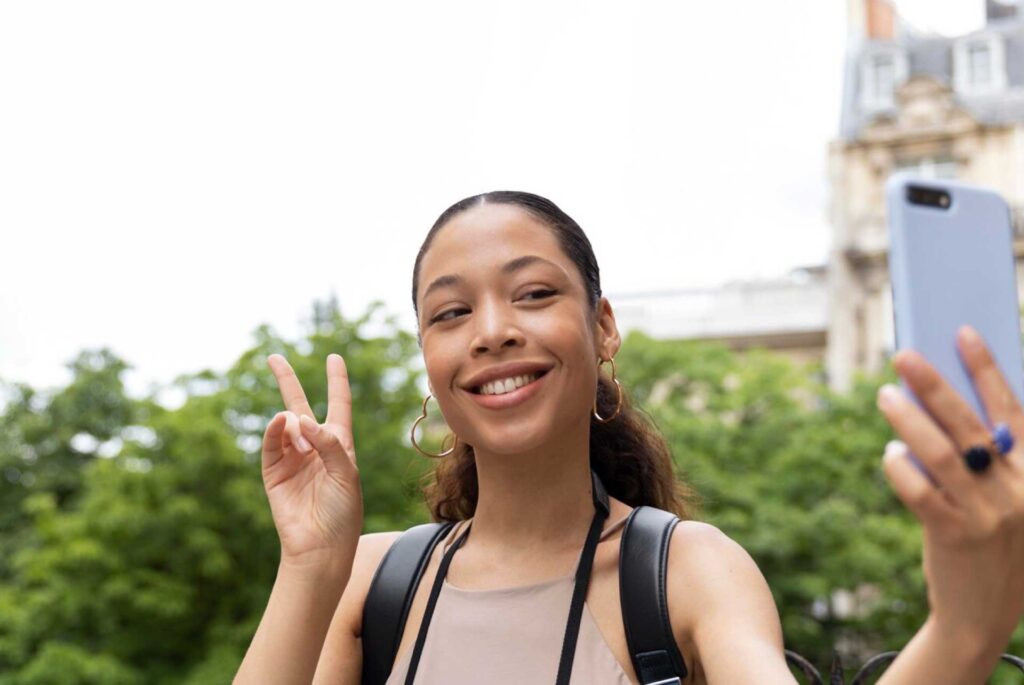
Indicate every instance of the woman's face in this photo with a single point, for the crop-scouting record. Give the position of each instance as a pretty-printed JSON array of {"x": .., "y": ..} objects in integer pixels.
[{"x": 499, "y": 300}]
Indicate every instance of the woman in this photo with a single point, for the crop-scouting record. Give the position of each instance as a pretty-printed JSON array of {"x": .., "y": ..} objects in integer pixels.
[{"x": 506, "y": 286}]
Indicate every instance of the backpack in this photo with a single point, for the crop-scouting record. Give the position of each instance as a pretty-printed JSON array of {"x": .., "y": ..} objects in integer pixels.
[{"x": 643, "y": 558}]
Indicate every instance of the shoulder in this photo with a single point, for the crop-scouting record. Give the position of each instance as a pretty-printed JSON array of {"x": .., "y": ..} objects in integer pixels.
[
  {"x": 370, "y": 551},
  {"x": 719, "y": 601},
  {"x": 701, "y": 552},
  {"x": 704, "y": 564},
  {"x": 341, "y": 657}
]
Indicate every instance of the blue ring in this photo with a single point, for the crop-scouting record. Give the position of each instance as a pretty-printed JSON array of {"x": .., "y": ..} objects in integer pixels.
[{"x": 1002, "y": 439}]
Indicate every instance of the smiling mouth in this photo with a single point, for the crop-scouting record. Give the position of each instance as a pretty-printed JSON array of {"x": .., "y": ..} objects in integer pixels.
[{"x": 507, "y": 385}]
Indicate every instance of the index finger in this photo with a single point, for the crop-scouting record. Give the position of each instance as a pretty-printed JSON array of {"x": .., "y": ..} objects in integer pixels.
[
  {"x": 339, "y": 394},
  {"x": 288, "y": 383}
]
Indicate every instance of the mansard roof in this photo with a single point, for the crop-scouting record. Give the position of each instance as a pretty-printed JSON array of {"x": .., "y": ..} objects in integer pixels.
[{"x": 932, "y": 56}]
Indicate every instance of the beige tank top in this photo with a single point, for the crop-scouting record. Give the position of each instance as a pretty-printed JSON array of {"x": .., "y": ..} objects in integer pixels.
[{"x": 509, "y": 636}]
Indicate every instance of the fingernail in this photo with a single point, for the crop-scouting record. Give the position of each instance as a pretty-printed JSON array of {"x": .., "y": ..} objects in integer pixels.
[
  {"x": 303, "y": 444},
  {"x": 888, "y": 396},
  {"x": 895, "y": 447},
  {"x": 969, "y": 336},
  {"x": 310, "y": 425}
]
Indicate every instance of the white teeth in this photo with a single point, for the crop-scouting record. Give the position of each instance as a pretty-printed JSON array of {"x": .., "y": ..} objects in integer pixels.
[{"x": 505, "y": 385}]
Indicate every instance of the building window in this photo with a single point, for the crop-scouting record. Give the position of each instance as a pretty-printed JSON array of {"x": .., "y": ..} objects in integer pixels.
[
  {"x": 883, "y": 70},
  {"x": 929, "y": 167},
  {"x": 884, "y": 81},
  {"x": 979, "y": 64}
]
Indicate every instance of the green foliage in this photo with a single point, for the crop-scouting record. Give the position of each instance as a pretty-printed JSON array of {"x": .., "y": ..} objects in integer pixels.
[
  {"x": 792, "y": 471},
  {"x": 154, "y": 564},
  {"x": 139, "y": 548}
]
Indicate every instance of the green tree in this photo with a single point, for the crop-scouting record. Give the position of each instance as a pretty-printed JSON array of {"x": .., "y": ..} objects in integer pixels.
[
  {"x": 138, "y": 545},
  {"x": 159, "y": 569},
  {"x": 46, "y": 438},
  {"x": 792, "y": 471}
]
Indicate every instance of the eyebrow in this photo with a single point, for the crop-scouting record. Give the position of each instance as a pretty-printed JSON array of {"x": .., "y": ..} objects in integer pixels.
[{"x": 509, "y": 267}]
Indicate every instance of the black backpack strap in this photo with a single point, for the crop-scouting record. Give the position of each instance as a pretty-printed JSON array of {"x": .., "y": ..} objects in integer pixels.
[
  {"x": 643, "y": 564},
  {"x": 390, "y": 595}
]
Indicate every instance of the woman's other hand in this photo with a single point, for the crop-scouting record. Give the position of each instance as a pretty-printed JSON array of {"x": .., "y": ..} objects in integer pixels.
[
  {"x": 309, "y": 470},
  {"x": 973, "y": 522}
]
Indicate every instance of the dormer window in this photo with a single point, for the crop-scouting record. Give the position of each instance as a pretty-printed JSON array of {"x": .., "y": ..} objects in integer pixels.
[
  {"x": 882, "y": 71},
  {"x": 883, "y": 79},
  {"x": 979, "y": 64}
]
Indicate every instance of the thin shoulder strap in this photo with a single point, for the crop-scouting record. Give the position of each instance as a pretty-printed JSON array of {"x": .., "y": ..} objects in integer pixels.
[
  {"x": 643, "y": 565},
  {"x": 390, "y": 595}
]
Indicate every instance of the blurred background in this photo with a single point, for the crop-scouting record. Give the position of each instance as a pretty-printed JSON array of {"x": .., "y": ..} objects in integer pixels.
[{"x": 187, "y": 188}]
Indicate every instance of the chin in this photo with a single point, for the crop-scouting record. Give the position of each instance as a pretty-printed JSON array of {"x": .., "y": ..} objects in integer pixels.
[{"x": 508, "y": 440}]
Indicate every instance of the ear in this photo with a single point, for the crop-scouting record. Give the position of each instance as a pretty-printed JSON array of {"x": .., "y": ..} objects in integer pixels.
[{"x": 607, "y": 339}]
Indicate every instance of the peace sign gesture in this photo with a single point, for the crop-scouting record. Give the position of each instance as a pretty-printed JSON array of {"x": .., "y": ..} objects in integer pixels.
[
  {"x": 309, "y": 469},
  {"x": 972, "y": 513}
]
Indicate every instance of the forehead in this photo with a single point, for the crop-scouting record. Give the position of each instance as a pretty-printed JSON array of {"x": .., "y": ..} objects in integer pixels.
[{"x": 490, "y": 235}]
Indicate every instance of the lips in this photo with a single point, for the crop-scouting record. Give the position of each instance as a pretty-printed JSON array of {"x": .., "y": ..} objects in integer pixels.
[
  {"x": 503, "y": 371},
  {"x": 507, "y": 385},
  {"x": 509, "y": 399}
]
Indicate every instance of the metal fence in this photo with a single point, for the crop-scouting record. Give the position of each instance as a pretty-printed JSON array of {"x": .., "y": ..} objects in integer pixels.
[{"x": 874, "y": 665}]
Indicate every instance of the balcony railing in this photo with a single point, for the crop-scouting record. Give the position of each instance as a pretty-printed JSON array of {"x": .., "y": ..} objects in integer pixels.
[{"x": 873, "y": 666}]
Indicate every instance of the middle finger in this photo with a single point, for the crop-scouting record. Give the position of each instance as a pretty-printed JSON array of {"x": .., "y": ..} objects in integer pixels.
[{"x": 964, "y": 427}]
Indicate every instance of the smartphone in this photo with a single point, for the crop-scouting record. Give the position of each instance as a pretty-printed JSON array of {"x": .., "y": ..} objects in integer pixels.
[{"x": 951, "y": 263}]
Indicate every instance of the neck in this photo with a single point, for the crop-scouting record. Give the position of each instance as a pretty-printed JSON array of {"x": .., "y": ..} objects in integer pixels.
[{"x": 538, "y": 499}]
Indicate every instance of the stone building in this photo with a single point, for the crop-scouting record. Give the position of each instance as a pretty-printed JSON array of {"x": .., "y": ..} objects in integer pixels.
[{"x": 942, "y": 107}]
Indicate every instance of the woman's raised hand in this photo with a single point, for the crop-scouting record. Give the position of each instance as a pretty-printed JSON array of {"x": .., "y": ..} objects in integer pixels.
[
  {"x": 309, "y": 469},
  {"x": 973, "y": 521}
]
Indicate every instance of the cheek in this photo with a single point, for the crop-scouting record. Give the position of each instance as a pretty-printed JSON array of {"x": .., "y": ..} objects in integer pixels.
[
  {"x": 439, "y": 369},
  {"x": 573, "y": 341}
]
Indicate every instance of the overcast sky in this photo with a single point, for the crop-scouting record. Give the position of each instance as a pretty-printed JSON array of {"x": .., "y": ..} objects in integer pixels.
[{"x": 172, "y": 175}]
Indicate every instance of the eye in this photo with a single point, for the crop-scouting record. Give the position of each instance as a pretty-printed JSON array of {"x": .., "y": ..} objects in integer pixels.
[
  {"x": 443, "y": 316},
  {"x": 539, "y": 294}
]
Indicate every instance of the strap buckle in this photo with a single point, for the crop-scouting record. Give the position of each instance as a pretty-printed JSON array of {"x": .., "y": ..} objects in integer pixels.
[{"x": 668, "y": 681}]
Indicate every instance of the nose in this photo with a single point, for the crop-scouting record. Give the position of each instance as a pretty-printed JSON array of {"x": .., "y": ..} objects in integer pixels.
[{"x": 496, "y": 329}]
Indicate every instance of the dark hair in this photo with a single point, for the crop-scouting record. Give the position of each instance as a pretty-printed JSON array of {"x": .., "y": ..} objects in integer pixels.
[{"x": 629, "y": 454}]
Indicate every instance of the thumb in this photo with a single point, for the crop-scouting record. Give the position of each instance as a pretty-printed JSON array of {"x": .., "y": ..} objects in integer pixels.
[{"x": 336, "y": 460}]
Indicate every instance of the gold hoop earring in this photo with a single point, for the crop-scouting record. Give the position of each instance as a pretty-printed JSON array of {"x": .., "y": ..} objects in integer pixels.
[
  {"x": 618, "y": 387},
  {"x": 412, "y": 434}
]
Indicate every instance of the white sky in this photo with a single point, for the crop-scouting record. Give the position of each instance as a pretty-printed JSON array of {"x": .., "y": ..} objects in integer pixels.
[{"x": 174, "y": 174}]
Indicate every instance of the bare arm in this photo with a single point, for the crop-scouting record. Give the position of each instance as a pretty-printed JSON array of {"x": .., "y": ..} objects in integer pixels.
[
  {"x": 341, "y": 661},
  {"x": 291, "y": 633},
  {"x": 315, "y": 496},
  {"x": 973, "y": 544},
  {"x": 723, "y": 601},
  {"x": 718, "y": 596},
  {"x": 973, "y": 521}
]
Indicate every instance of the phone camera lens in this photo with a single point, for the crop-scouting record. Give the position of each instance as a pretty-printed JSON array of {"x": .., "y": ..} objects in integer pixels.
[{"x": 928, "y": 197}]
